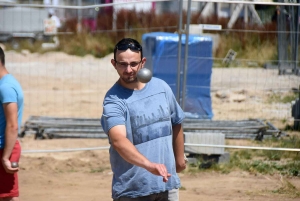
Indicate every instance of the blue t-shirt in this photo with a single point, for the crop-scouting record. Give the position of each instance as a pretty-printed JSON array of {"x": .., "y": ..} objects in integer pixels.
[
  {"x": 10, "y": 92},
  {"x": 148, "y": 115}
]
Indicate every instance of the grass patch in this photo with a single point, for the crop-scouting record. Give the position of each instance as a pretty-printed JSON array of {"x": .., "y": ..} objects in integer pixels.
[
  {"x": 97, "y": 170},
  {"x": 280, "y": 98},
  {"x": 259, "y": 161},
  {"x": 182, "y": 188},
  {"x": 245, "y": 154},
  {"x": 250, "y": 53},
  {"x": 287, "y": 188},
  {"x": 83, "y": 44},
  {"x": 19, "y": 44}
]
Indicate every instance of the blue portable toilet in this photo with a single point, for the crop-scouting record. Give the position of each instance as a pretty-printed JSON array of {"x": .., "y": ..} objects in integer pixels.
[{"x": 161, "y": 51}]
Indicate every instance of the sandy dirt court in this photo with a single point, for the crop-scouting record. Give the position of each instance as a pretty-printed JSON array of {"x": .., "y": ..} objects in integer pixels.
[
  {"x": 86, "y": 175},
  {"x": 56, "y": 84}
]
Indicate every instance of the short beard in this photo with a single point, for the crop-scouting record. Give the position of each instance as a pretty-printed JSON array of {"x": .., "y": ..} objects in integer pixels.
[{"x": 129, "y": 81}]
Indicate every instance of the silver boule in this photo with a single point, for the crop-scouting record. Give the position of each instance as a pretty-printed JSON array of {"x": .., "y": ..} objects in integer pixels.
[
  {"x": 144, "y": 75},
  {"x": 14, "y": 164}
]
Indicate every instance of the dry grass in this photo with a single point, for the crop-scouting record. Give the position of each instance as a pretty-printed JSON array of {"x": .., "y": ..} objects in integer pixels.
[{"x": 287, "y": 188}]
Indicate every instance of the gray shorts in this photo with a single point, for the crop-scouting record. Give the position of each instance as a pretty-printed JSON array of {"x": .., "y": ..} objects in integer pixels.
[{"x": 172, "y": 195}]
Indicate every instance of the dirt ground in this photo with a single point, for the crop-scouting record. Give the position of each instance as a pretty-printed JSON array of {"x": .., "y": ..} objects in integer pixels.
[
  {"x": 56, "y": 84},
  {"x": 86, "y": 175}
]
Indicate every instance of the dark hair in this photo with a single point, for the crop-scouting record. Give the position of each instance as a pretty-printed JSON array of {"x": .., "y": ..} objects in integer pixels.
[
  {"x": 126, "y": 43},
  {"x": 2, "y": 56}
]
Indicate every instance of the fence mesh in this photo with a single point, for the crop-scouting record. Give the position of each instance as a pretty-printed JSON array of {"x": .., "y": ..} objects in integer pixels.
[{"x": 255, "y": 72}]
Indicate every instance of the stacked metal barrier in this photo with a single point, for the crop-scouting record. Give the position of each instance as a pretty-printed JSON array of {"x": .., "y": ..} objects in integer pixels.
[
  {"x": 58, "y": 127},
  {"x": 239, "y": 129}
]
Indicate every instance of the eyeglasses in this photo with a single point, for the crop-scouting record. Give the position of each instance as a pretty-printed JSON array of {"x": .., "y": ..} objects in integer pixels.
[
  {"x": 124, "y": 64},
  {"x": 131, "y": 46}
]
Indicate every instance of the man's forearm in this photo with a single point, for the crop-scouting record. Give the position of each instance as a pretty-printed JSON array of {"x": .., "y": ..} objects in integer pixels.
[
  {"x": 129, "y": 153},
  {"x": 11, "y": 128},
  {"x": 178, "y": 147},
  {"x": 11, "y": 135}
]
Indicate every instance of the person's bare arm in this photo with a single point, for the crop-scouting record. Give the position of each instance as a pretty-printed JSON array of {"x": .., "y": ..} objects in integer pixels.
[
  {"x": 127, "y": 150},
  {"x": 178, "y": 147},
  {"x": 11, "y": 134}
]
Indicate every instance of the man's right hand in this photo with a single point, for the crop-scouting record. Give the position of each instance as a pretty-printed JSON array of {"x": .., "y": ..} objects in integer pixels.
[{"x": 159, "y": 170}]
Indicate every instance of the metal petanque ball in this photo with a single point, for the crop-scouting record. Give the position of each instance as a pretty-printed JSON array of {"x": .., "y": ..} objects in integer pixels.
[
  {"x": 144, "y": 75},
  {"x": 14, "y": 164}
]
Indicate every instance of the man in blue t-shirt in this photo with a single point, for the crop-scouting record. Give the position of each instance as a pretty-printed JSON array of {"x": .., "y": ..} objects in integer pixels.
[
  {"x": 11, "y": 110},
  {"x": 143, "y": 122}
]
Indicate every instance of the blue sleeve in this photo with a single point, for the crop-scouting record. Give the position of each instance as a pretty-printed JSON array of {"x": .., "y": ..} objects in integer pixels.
[
  {"x": 113, "y": 113},
  {"x": 177, "y": 114},
  {"x": 8, "y": 94}
]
